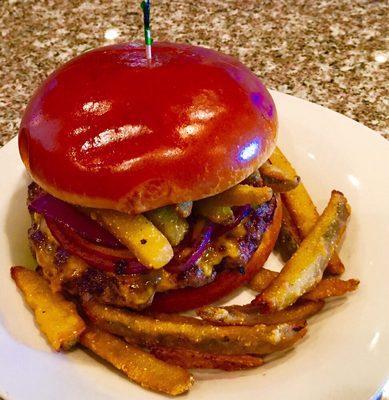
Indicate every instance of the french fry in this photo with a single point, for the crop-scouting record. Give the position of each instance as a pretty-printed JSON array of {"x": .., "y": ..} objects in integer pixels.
[
  {"x": 56, "y": 317},
  {"x": 184, "y": 209},
  {"x": 139, "y": 366},
  {"x": 288, "y": 239},
  {"x": 170, "y": 223},
  {"x": 301, "y": 208},
  {"x": 240, "y": 195},
  {"x": 249, "y": 315},
  {"x": 262, "y": 279},
  {"x": 331, "y": 287},
  {"x": 194, "y": 359},
  {"x": 305, "y": 269},
  {"x": 194, "y": 334},
  {"x": 278, "y": 179},
  {"x": 327, "y": 287},
  {"x": 139, "y": 234}
]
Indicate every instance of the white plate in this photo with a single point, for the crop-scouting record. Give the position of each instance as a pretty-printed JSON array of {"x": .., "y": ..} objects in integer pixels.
[{"x": 346, "y": 352}]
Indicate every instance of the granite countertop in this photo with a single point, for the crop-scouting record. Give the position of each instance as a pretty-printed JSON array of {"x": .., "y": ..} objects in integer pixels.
[{"x": 331, "y": 52}]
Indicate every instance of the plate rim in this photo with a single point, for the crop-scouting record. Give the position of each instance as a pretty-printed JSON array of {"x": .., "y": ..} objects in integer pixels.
[{"x": 368, "y": 136}]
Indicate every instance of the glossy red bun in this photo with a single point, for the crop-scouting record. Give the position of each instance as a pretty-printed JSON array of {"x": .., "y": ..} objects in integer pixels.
[{"x": 110, "y": 130}]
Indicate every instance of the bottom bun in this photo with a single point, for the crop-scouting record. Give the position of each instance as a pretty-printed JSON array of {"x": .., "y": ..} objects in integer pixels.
[{"x": 228, "y": 280}]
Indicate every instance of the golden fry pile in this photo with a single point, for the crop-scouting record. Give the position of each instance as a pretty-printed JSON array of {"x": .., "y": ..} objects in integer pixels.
[{"x": 156, "y": 351}]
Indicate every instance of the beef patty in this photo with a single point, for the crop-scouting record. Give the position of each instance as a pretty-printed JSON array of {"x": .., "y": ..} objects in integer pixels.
[{"x": 71, "y": 275}]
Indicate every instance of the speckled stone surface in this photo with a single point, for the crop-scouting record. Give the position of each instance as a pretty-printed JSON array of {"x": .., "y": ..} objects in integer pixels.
[{"x": 330, "y": 52}]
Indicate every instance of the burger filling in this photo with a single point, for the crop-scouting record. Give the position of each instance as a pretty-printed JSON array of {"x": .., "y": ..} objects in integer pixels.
[{"x": 123, "y": 260}]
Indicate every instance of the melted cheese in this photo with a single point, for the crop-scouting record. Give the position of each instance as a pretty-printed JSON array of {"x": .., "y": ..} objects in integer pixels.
[{"x": 223, "y": 247}]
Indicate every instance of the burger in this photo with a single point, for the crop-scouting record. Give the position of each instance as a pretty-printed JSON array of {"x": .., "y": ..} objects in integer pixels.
[{"x": 146, "y": 192}]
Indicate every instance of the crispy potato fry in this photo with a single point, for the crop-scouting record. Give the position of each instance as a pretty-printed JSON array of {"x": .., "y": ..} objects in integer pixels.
[
  {"x": 249, "y": 315},
  {"x": 194, "y": 334},
  {"x": 139, "y": 234},
  {"x": 170, "y": 223},
  {"x": 305, "y": 269},
  {"x": 327, "y": 287},
  {"x": 331, "y": 287},
  {"x": 262, "y": 279},
  {"x": 278, "y": 179},
  {"x": 301, "y": 208},
  {"x": 56, "y": 317},
  {"x": 240, "y": 195},
  {"x": 288, "y": 239},
  {"x": 139, "y": 366},
  {"x": 194, "y": 359},
  {"x": 218, "y": 214},
  {"x": 184, "y": 209}
]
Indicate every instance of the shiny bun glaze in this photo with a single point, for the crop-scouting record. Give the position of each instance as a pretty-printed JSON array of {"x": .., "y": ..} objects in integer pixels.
[{"x": 110, "y": 130}]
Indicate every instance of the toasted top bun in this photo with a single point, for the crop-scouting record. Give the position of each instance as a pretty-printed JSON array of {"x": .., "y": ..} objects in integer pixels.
[{"x": 110, "y": 129}]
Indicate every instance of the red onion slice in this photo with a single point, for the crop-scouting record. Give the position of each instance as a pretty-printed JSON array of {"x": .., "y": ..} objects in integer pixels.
[
  {"x": 199, "y": 248},
  {"x": 70, "y": 217},
  {"x": 211, "y": 231},
  {"x": 240, "y": 213},
  {"x": 107, "y": 259}
]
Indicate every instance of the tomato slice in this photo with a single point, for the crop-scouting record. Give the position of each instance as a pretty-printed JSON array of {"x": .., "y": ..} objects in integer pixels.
[{"x": 104, "y": 258}]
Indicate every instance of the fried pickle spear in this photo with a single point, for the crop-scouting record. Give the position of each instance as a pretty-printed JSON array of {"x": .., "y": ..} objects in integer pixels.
[
  {"x": 218, "y": 214},
  {"x": 194, "y": 359},
  {"x": 194, "y": 334},
  {"x": 170, "y": 223},
  {"x": 56, "y": 317},
  {"x": 139, "y": 366},
  {"x": 249, "y": 315},
  {"x": 301, "y": 208},
  {"x": 305, "y": 269}
]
